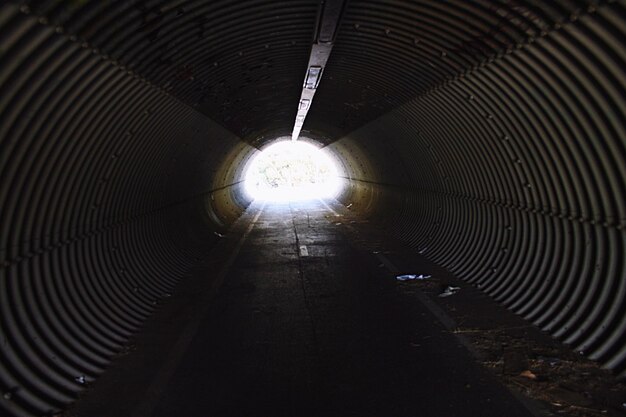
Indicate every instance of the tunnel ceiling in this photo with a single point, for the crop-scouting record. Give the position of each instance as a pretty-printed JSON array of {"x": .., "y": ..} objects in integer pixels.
[
  {"x": 242, "y": 63},
  {"x": 239, "y": 62},
  {"x": 389, "y": 52}
]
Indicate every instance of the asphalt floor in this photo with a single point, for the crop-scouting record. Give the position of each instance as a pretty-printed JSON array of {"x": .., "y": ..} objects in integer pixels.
[{"x": 293, "y": 316}]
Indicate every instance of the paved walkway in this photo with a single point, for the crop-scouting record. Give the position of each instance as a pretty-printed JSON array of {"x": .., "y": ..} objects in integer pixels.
[{"x": 305, "y": 324}]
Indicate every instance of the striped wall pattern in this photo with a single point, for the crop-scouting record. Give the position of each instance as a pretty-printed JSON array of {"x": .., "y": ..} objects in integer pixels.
[
  {"x": 489, "y": 134},
  {"x": 105, "y": 180},
  {"x": 513, "y": 175}
]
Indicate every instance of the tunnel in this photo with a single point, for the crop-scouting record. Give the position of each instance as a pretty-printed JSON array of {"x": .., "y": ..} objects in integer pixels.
[{"x": 486, "y": 135}]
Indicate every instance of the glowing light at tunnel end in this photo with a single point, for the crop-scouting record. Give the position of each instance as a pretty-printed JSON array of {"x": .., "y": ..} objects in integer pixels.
[{"x": 292, "y": 171}]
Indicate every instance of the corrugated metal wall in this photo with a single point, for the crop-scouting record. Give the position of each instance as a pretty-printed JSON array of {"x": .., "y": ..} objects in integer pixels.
[
  {"x": 105, "y": 177},
  {"x": 513, "y": 173},
  {"x": 489, "y": 134}
]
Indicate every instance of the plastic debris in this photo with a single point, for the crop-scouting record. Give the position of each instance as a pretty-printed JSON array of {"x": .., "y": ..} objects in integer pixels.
[
  {"x": 449, "y": 291},
  {"x": 410, "y": 277},
  {"x": 528, "y": 374},
  {"x": 218, "y": 234},
  {"x": 349, "y": 205},
  {"x": 80, "y": 379},
  {"x": 304, "y": 251},
  {"x": 8, "y": 395}
]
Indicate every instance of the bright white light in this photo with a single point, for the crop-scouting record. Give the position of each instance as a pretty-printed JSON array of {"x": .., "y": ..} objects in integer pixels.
[{"x": 290, "y": 171}]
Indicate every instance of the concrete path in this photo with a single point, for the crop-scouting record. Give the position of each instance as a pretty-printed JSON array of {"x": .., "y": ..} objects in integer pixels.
[{"x": 304, "y": 324}]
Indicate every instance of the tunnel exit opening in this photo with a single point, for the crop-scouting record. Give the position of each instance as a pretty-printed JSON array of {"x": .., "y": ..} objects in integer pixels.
[{"x": 292, "y": 171}]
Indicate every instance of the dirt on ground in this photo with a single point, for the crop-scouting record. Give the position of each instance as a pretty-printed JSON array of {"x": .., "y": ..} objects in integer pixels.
[{"x": 530, "y": 362}]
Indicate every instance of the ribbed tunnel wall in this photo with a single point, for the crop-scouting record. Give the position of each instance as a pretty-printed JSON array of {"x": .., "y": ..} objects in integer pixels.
[
  {"x": 513, "y": 175},
  {"x": 490, "y": 135},
  {"x": 105, "y": 181}
]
